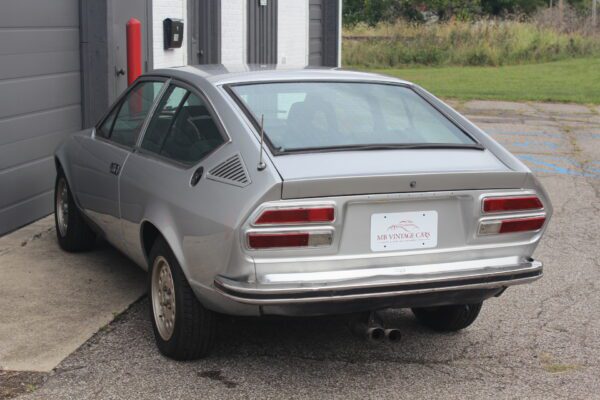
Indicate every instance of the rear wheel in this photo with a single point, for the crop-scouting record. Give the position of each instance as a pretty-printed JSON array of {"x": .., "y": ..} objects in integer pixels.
[
  {"x": 71, "y": 229},
  {"x": 448, "y": 318},
  {"x": 183, "y": 328}
]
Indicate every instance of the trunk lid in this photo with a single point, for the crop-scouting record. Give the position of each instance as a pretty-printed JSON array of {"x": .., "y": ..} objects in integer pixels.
[{"x": 392, "y": 171}]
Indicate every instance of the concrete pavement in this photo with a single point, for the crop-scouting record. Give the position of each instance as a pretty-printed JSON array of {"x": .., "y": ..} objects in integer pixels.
[
  {"x": 52, "y": 301},
  {"x": 540, "y": 341}
]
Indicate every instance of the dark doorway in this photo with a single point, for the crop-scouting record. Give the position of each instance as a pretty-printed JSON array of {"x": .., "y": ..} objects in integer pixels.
[
  {"x": 323, "y": 32},
  {"x": 205, "y": 31},
  {"x": 262, "y": 31}
]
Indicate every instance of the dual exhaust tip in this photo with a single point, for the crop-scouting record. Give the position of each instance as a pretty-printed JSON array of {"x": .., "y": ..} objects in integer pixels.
[{"x": 376, "y": 333}]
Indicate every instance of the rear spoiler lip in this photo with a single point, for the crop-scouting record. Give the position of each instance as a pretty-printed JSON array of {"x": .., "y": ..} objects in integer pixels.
[{"x": 402, "y": 183}]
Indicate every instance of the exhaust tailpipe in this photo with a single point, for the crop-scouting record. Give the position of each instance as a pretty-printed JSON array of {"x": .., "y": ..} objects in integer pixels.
[
  {"x": 393, "y": 335},
  {"x": 372, "y": 333},
  {"x": 375, "y": 333}
]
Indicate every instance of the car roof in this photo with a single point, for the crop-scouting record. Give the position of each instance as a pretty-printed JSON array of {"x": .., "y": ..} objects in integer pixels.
[{"x": 219, "y": 74}]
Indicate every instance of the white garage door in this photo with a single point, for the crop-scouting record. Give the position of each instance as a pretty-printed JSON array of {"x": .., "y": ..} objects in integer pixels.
[{"x": 40, "y": 92}]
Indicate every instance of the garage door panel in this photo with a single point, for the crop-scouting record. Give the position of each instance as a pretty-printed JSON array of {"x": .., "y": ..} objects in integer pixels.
[
  {"x": 315, "y": 33},
  {"x": 39, "y": 13},
  {"x": 316, "y": 30},
  {"x": 30, "y": 125},
  {"x": 41, "y": 93},
  {"x": 29, "y": 40},
  {"x": 26, "y": 181},
  {"x": 315, "y": 45},
  {"x": 316, "y": 11},
  {"x": 25, "y": 151},
  {"x": 40, "y": 101},
  {"x": 35, "y": 207},
  {"x": 27, "y": 65}
]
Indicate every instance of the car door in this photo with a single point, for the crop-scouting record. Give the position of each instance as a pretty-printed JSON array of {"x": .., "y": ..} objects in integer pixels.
[
  {"x": 102, "y": 156},
  {"x": 160, "y": 178}
]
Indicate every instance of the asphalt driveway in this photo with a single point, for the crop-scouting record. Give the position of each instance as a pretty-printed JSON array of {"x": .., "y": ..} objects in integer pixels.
[{"x": 540, "y": 341}]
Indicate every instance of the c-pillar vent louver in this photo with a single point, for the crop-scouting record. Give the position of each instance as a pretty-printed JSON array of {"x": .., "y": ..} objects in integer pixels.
[{"x": 231, "y": 171}]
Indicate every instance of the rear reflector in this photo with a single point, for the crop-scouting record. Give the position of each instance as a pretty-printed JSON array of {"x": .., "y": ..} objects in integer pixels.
[
  {"x": 289, "y": 239},
  {"x": 502, "y": 204},
  {"x": 289, "y": 216},
  {"x": 522, "y": 224},
  {"x": 511, "y": 225}
]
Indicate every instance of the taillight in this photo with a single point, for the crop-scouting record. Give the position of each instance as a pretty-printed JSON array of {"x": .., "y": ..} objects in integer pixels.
[
  {"x": 292, "y": 226},
  {"x": 511, "y": 204},
  {"x": 296, "y": 216},
  {"x": 279, "y": 240},
  {"x": 512, "y": 225}
]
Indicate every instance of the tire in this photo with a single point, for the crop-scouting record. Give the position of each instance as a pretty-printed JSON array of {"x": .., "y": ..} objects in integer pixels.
[
  {"x": 448, "y": 318},
  {"x": 73, "y": 233},
  {"x": 188, "y": 333}
]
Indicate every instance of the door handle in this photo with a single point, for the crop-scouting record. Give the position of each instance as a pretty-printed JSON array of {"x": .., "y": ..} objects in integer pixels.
[{"x": 115, "y": 168}]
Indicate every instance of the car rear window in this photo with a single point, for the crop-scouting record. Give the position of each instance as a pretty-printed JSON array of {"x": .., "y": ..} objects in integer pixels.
[{"x": 321, "y": 115}]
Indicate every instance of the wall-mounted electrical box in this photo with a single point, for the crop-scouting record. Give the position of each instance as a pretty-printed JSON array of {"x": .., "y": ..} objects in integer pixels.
[{"x": 173, "y": 33}]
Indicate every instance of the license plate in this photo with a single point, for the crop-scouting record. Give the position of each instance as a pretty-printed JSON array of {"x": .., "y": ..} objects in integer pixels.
[{"x": 404, "y": 231}]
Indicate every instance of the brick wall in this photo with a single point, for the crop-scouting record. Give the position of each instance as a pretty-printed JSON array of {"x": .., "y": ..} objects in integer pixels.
[
  {"x": 292, "y": 41},
  {"x": 233, "y": 31},
  {"x": 162, "y": 9}
]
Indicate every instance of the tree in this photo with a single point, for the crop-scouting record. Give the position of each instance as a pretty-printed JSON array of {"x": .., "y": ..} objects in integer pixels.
[
  {"x": 499, "y": 7},
  {"x": 374, "y": 11}
]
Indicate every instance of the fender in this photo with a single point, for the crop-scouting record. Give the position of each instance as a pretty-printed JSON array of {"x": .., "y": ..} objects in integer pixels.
[{"x": 63, "y": 155}]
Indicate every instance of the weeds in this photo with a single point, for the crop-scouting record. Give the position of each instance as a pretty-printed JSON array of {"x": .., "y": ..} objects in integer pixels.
[{"x": 481, "y": 43}]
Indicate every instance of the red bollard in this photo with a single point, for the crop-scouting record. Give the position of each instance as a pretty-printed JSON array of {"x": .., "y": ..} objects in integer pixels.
[{"x": 134, "y": 50}]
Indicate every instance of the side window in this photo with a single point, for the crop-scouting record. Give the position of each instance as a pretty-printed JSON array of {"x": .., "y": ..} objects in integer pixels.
[
  {"x": 182, "y": 128},
  {"x": 163, "y": 119},
  {"x": 105, "y": 128},
  {"x": 131, "y": 114}
]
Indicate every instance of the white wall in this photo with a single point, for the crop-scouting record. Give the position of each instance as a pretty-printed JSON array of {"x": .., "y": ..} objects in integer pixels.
[
  {"x": 292, "y": 40},
  {"x": 162, "y": 9},
  {"x": 233, "y": 31}
]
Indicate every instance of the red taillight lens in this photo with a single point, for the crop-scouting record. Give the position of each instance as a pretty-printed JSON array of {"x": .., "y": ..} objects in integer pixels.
[
  {"x": 296, "y": 216},
  {"x": 277, "y": 240},
  {"x": 522, "y": 224},
  {"x": 502, "y": 204},
  {"x": 511, "y": 225}
]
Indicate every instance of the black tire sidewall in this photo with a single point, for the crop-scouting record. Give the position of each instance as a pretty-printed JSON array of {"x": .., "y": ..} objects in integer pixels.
[
  {"x": 179, "y": 340},
  {"x": 79, "y": 236},
  {"x": 159, "y": 249}
]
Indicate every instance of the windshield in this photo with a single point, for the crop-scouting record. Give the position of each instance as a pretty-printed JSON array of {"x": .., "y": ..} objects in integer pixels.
[{"x": 320, "y": 115}]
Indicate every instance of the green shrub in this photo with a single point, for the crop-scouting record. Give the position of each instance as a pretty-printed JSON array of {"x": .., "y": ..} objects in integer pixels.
[{"x": 485, "y": 42}]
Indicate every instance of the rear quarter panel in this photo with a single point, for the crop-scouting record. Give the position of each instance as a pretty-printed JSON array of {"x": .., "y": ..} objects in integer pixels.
[{"x": 199, "y": 223}]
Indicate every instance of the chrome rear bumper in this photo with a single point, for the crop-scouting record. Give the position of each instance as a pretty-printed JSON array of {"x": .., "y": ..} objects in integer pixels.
[{"x": 348, "y": 285}]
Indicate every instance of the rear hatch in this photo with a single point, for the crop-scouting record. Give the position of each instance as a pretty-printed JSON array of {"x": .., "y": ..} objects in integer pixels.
[{"x": 392, "y": 171}]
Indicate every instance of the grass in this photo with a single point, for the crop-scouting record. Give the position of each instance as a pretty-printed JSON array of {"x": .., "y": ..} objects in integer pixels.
[
  {"x": 576, "y": 81},
  {"x": 478, "y": 43}
]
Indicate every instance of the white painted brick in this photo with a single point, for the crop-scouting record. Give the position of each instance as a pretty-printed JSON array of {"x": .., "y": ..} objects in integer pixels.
[
  {"x": 233, "y": 31},
  {"x": 292, "y": 40},
  {"x": 162, "y": 9}
]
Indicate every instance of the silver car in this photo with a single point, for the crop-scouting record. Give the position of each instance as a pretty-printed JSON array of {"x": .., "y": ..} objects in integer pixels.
[{"x": 299, "y": 192}]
